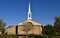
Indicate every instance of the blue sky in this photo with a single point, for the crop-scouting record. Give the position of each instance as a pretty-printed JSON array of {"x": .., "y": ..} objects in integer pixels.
[{"x": 43, "y": 11}]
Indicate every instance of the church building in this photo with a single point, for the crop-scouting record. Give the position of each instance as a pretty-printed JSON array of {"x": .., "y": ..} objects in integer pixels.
[{"x": 32, "y": 26}]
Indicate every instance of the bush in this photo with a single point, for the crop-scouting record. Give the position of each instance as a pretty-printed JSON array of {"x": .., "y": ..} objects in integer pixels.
[{"x": 29, "y": 35}]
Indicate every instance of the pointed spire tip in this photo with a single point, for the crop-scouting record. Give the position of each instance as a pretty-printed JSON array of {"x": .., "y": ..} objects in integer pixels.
[{"x": 29, "y": 12}]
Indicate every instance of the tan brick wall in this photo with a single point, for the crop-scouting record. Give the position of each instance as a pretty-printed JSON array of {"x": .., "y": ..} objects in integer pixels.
[
  {"x": 41, "y": 29},
  {"x": 20, "y": 29},
  {"x": 36, "y": 30},
  {"x": 11, "y": 30}
]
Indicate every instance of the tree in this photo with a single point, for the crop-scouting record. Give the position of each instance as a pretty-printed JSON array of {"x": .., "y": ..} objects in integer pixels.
[
  {"x": 49, "y": 30},
  {"x": 2, "y": 26},
  {"x": 27, "y": 27},
  {"x": 57, "y": 25}
]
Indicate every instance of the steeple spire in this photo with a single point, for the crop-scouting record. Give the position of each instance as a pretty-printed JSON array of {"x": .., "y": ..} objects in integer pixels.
[{"x": 29, "y": 13}]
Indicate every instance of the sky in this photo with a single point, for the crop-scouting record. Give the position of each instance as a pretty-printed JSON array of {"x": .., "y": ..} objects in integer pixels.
[{"x": 15, "y": 11}]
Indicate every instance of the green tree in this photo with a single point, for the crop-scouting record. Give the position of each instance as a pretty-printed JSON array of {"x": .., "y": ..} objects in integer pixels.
[
  {"x": 2, "y": 26},
  {"x": 49, "y": 30},
  {"x": 57, "y": 25},
  {"x": 27, "y": 27}
]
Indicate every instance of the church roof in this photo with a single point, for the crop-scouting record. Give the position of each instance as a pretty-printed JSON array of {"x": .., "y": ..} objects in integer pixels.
[
  {"x": 33, "y": 22},
  {"x": 29, "y": 18}
]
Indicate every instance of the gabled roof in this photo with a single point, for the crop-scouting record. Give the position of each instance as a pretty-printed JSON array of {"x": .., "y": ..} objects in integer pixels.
[{"x": 33, "y": 22}]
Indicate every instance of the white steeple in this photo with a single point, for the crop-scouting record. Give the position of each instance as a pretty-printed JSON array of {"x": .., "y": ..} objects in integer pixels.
[{"x": 29, "y": 13}]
